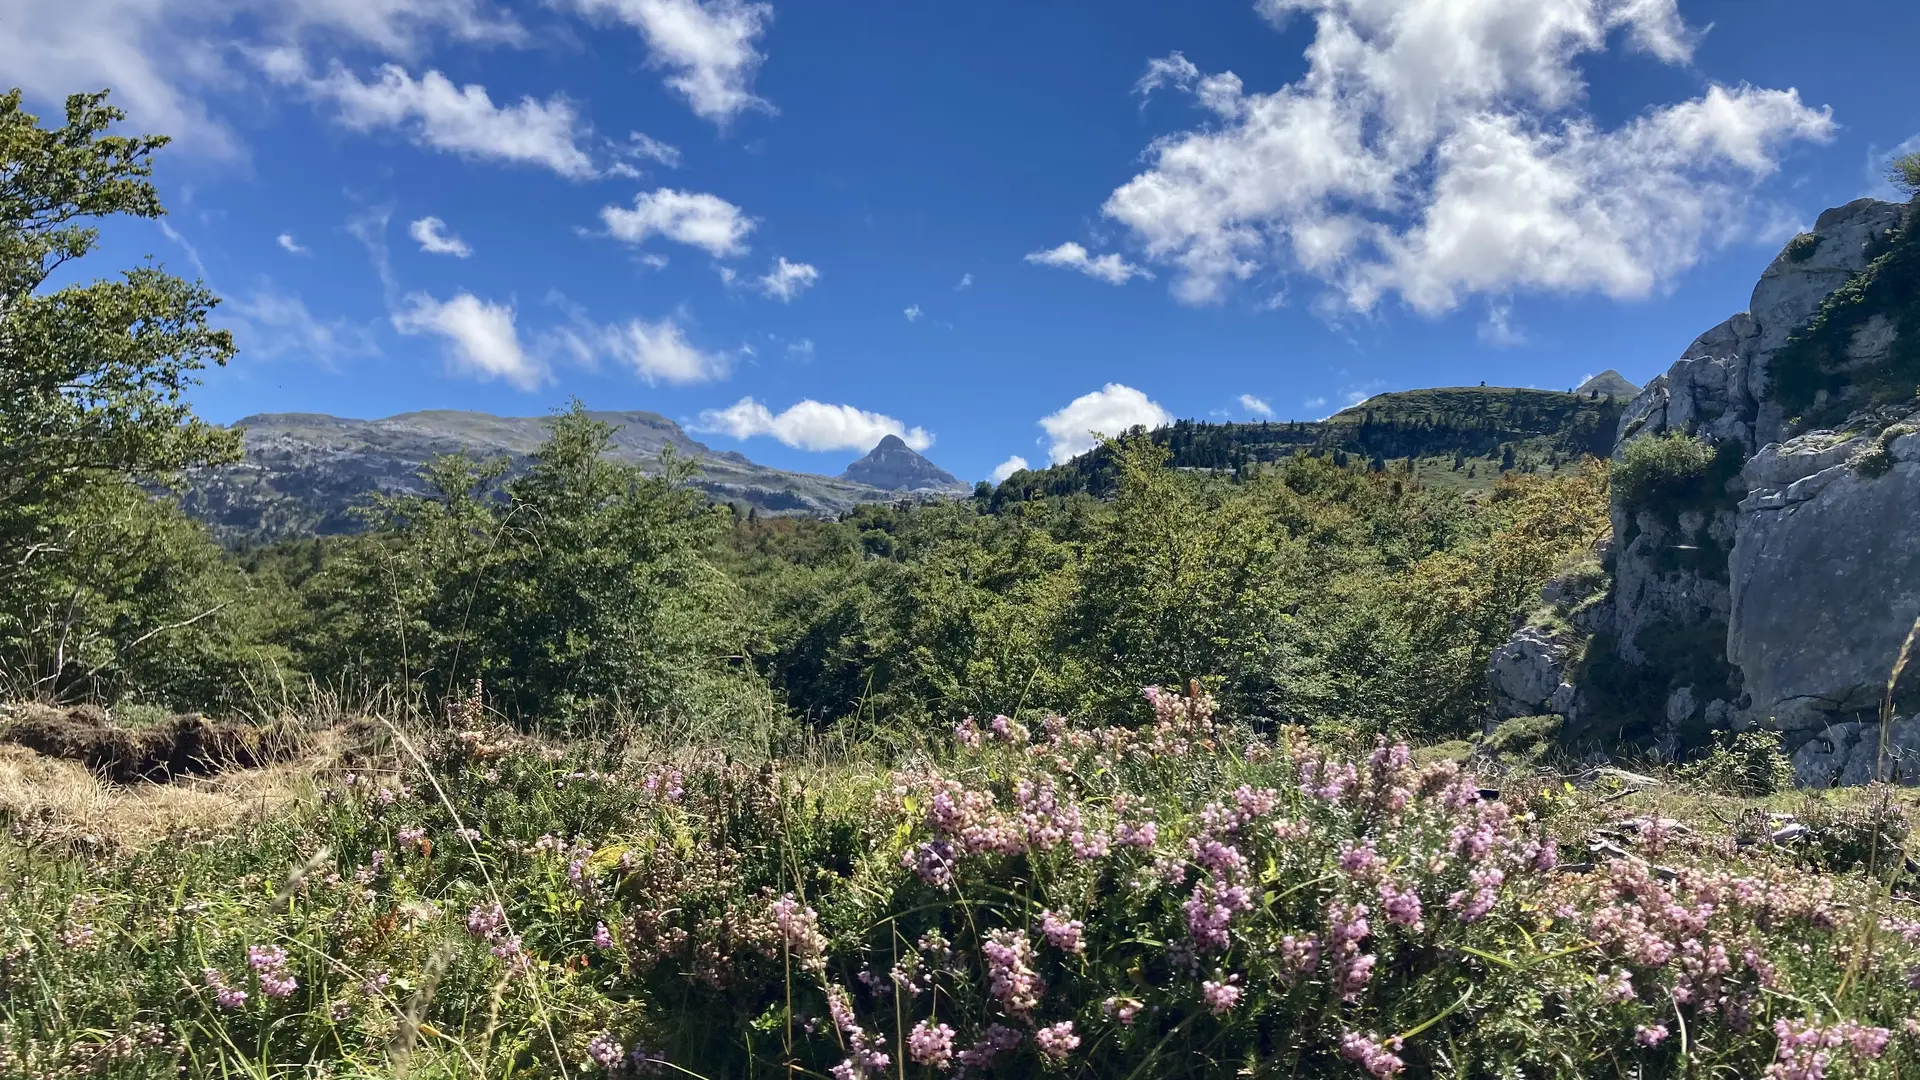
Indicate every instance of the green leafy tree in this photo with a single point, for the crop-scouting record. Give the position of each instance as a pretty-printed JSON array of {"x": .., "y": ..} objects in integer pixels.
[
  {"x": 95, "y": 584},
  {"x": 579, "y": 588}
]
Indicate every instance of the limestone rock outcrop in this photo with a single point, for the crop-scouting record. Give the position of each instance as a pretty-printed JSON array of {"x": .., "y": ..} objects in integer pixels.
[{"x": 1780, "y": 596}]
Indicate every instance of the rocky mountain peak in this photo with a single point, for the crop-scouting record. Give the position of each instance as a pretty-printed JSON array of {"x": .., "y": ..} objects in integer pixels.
[
  {"x": 895, "y": 466},
  {"x": 1609, "y": 383}
]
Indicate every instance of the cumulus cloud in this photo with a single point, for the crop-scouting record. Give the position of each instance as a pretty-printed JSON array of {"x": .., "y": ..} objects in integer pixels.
[
  {"x": 1111, "y": 410},
  {"x": 461, "y": 120},
  {"x": 1256, "y": 406},
  {"x": 788, "y": 279},
  {"x": 434, "y": 239},
  {"x": 657, "y": 351},
  {"x": 696, "y": 219},
  {"x": 1007, "y": 468},
  {"x": 707, "y": 48},
  {"x": 291, "y": 246},
  {"x": 165, "y": 58},
  {"x": 810, "y": 425},
  {"x": 481, "y": 338},
  {"x": 1437, "y": 149},
  {"x": 1109, "y": 268}
]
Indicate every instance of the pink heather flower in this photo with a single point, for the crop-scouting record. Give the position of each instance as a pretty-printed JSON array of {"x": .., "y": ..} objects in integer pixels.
[
  {"x": 967, "y": 733},
  {"x": 933, "y": 861},
  {"x": 1062, "y": 933},
  {"x": 1121, "y": 1009},
  {"x": 1371, "y": 1054},
  {"x": 1616, "y": 988},
  {"x": 1140, "y": 836},
  {"x": 223, "y": 995},
  {"x": 1221, "y": 995},
  {"x": 1401, "y": 905},
  {"x": 1299, "y": 955},
  {"x": 1360, "y": 860},
  {"x": 799, "y": 928},
  {"x": 602, "y": 937},
  {"x": 471, "y": 836},
  {"x": 605, "y": 1051},
  {"x": 1056, "y": 1041},
  {"x": 931, "y": 1044},
  {"x": 269, "y": 964},
  {"x": 1010, "y": 975},
  {"x": 1088, "y": 846},
  {"x": 1475, "y": 905},
  {"x": 993, "y": 1042},
  {"x": 411, "y": 836},
  {"x": 486, "y": 921},
  {"x": 1650, "y": 1036}
]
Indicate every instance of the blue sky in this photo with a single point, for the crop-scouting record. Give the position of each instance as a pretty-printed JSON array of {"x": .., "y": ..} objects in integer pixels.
[{"x": 989, "y": 227}]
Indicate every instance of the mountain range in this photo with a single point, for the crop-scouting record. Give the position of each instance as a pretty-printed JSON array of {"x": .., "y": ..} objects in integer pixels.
[{"x": 305, "y": 474}]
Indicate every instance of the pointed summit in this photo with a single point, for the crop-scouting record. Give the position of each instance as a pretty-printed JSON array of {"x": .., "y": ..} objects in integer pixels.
[
  {"x": 1609, "y": 382},
  {"x": 895, "y": 466}
]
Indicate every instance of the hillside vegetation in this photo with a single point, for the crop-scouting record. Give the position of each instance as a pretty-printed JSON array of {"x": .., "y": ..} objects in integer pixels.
[{"x": 1458, "y": 438}]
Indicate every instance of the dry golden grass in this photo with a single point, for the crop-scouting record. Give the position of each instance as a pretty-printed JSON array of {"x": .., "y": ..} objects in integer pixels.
[{"x": 61, "y": 800}]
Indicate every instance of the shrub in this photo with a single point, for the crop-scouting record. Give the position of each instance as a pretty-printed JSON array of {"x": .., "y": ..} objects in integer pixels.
[
  {"x": 1743, "y": 763},
  {"x": 1670, "y": 470},
  {"x": 1801, "y": 248}
]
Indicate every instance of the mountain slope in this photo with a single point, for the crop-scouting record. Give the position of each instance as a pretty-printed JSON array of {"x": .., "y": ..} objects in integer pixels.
[
  {"x": 306, "y": 473},
  {"x": 895, "y": 466},
  {"x": 1457, "y": 437}
]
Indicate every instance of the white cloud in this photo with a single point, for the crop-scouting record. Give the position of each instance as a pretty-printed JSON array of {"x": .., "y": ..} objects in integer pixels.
[
  {"x": 801, "y": 350},
  {"x": 1109, "y": 268},
  {"x": 1498, "y": 328},
  {"x": 696, "y": 219},
  {"x": 1314, "y": 403},
  {"x": 432, "y": 236},
  {"x": 912, "y": 313},
  {"x": 660, "y": 352},
  {"x": 966, "y": 282},
  {"x": 165, "y": 58},
  {"x": 268, "y": 324},
  {"x": 481, "y": 337},
  {"x": 641, "y": 147},
  {"x": 460, "y": 120},
  {"x": 657, "y": 351},
  {"x": 1007, "y": 468},
  {"x": 1437, "y": 149},
  {"x": 291, "y": 246},
  {"x": 1256, "y": 406},
  {"x": 706, "y": 47},
  {"x": 1111, "y": 410},
  {"x": 654, "y": 261},
  {"x": 1355, "y": 397},
  {"x": 788, "y": 279},
  {"x": 810, "y": 425}
]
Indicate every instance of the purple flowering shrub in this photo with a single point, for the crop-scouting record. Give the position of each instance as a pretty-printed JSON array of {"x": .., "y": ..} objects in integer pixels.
[{"x": 1184, "y": 899}]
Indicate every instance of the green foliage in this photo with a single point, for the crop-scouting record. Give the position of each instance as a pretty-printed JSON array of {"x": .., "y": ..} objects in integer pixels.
[
  {"x": 1813, "y": 376},
  {"x": 1523, "y": 740},
  {"x": 1904, "y": 173},
  {"x": 1801, "y": 248},
  {"x": 101, "y": 591},
  {"x": 580, "y": 587},
  {"x": 1439, "y": 430},
  {"x": 1741, "y": 763},
  {"x": 1669, "y": 472}
]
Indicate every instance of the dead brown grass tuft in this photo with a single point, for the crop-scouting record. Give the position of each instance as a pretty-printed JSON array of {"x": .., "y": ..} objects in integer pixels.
[{"x": 61, "y": 801}]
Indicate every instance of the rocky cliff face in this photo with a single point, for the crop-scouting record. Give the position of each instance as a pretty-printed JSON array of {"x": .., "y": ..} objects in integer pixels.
[
  {"x": 895, "y": 466},
  {"x": 1780, "y": 590}
]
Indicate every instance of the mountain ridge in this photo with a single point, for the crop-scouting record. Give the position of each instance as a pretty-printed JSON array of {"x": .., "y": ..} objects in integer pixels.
[{"x": 306, "y": 473}]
